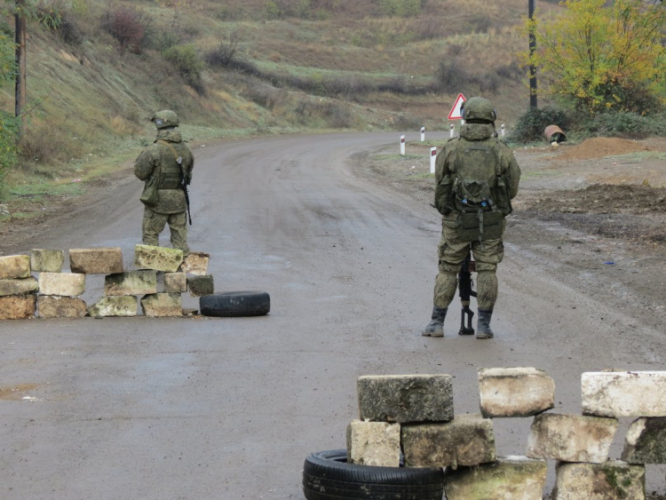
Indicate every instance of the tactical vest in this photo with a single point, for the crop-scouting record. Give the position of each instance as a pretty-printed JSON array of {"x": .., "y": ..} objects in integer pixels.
[
  {"x": 477, "y": 190},
  {"x": 171, "y": 174}
]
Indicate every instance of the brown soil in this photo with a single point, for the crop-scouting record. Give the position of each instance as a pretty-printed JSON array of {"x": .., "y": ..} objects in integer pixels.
[{"x": 600, "y": 147}]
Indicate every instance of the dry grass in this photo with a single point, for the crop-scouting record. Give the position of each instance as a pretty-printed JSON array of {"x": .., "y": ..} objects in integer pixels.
[{"x": 364, "y": 64}]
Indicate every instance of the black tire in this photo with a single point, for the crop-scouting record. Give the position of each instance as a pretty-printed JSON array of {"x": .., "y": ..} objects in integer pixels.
[
  {"x": 328, "y": 476},
  {"x": 233, "y": 304}
]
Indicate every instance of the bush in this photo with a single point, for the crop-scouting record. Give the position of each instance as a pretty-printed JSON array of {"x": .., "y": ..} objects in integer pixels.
[
  {"x": 131, "y": 27},
  {"x": 273, "y": 10},
  {"x": 531, "y": 125},
  {"x": 48, "y": 145},
  {"x": 631, "y": 125},
  {"x": 225, "y": 53},
  {"x": 8, "y": 152},
  {"x": 188, "y": 64},
  {"x": 401, "y": 8}
]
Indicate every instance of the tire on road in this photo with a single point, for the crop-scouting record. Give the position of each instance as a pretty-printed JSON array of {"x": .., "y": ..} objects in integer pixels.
[
  {"x": 233, "y": 304},
  {"x": 328, "y": 476}
]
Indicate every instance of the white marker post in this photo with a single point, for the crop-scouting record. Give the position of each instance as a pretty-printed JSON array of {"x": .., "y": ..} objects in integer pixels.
[
  {"x": 422, "y": 134},
  {"x": 502, "y": 130},
  {"x": 402, "y": 145},
  {"x": 451, "y": 131},
  {"x": 433, "y": 159}
]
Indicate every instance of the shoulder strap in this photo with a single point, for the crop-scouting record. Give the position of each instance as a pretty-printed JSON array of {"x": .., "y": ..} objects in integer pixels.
[{"x": 177, "y": 157}]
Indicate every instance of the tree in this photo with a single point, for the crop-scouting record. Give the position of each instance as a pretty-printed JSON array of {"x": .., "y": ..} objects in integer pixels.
[{"x": 604, "y": 56}]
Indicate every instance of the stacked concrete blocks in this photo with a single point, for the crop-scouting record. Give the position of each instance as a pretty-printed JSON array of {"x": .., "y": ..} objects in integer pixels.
[
  {"x": 414, "y": 414},
  {"x": 59, "y": 293},
  {"x": 17, "y": 288},
  {"x": 422, "y": 407}
]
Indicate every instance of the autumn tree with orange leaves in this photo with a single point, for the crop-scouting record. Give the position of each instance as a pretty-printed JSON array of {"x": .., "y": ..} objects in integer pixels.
[{"x": 604, "y": 56}]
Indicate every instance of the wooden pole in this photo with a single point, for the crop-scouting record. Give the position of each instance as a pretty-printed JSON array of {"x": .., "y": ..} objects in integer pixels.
[
  {"x": 20, "y": 39},
  {"x": 533, "y": 77}
]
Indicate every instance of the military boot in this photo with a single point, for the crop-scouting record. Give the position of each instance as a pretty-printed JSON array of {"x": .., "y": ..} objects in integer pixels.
[
  {"x": 483, "y": 330},
  {"x": 436, "y": 327}
]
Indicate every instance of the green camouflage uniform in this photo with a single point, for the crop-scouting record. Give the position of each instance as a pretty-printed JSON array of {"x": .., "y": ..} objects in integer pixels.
[
  {"x": 158, "y": 160},
  {"x": 452, "y": 252}
]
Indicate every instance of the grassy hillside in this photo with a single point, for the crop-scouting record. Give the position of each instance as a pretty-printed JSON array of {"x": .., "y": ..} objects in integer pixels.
[{"x": 240, "y": 67}]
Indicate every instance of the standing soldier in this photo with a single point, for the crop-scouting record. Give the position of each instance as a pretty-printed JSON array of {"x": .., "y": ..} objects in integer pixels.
[
  {"x": 166, "y": 166},
  {"x": 477, "y": 177}
]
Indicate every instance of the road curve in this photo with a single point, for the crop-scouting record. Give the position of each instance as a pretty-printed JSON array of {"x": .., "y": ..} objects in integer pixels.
[{"x": 228, "y": 409}]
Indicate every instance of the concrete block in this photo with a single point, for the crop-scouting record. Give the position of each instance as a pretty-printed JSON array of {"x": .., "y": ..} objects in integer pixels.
[
  {"x": 646, "y": 441},
  {"x": 515, "y": 392},
  {"x": 20, "y": 286},
  {"x": 624, "y": 394},
  {"x": 96, "y": 260},
  {"x": 15, "y": 266},
  {"x": 571, "y": 438},
  {"x": 61, "y": 307},
  {"x": 115, "y": 306},
  {"x": 131, "y": 283},
  {"x": 201, "y": 285},
  {"x": 18, "y": 306},
  {"x": 465, "y": 441},
  {"x": 196, "y": 263},
  {"x": 63, "y": 284},
  {"x": 510, "y": 478},
  {"x": 157, "y": 258},
  {"x": 162, "y": 305},
  {"x": 611, "y": 480},
  {"x": 175, "y": 282},
  {"x": 47, "y": 261},
  {"x": 373, "y": 443},
  {"x": 405, "y": 398}
]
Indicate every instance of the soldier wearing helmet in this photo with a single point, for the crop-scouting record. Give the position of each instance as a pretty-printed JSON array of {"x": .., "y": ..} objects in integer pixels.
[
  {"x": 476, "y": 176},
  {"x": 166, "y": 167}
]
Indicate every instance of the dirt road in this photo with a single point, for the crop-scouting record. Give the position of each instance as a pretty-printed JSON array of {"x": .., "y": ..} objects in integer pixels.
[{"x": 229, "y": 408}]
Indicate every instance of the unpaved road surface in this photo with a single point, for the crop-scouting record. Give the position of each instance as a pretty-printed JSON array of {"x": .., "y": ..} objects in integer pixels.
[{"x": 228, "y": 408}]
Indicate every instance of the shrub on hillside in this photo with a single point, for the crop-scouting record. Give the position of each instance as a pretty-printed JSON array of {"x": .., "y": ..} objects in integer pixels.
[
  {"x": 131, "y": 27},
  {"x": 187, "y": 62},
  {"x": 531, "y": 125},
  {"x": 631, "y": 125},
  {"x": 8, "y": 153},
  {"x": 224, "y": 54},
  {"x": 401, "y": 8},
  {"x": 48, "y": 145},
  {"x": 58, "y": 17}
]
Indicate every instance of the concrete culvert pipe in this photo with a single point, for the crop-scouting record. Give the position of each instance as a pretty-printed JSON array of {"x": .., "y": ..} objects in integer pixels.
[{"x": 553, "y": 133}]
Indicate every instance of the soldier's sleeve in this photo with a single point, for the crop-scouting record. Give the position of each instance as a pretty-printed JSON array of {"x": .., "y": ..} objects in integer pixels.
[
  {"x": 512, "y": 171},
  {"x": 144, "y": 165}
]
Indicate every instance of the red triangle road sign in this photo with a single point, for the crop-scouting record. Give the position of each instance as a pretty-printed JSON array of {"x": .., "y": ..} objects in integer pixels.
[{"x": 455, "y": 113}]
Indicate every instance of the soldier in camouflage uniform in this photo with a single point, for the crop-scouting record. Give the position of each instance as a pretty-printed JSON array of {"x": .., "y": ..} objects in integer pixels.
[
  {"x": 476, "y": 178},
  {"x": 167, "y": 163}
]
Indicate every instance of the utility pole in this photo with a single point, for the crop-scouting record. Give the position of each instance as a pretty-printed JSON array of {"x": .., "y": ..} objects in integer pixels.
[
  {"x": 533, "y": 77},
  {"x": 20, "y": 39}
]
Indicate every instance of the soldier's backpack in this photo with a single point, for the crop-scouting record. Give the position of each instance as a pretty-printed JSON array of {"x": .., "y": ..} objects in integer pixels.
[{"x": 477, "y": 191}]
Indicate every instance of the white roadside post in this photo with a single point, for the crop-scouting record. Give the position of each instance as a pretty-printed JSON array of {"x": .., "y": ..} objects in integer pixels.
[
  {"x": 433, "y": 159},
  {"x": 451, "y": 131},
  {"x": 402, "y": 145},
  {"x": 422, "y": 134},
  {"x": 502, "y": 130}
]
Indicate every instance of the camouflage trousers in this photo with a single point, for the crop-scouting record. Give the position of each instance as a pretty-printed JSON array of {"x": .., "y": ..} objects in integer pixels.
[
  {"x": 153, "y": 225},
  {"x": 452, "y": 252}
]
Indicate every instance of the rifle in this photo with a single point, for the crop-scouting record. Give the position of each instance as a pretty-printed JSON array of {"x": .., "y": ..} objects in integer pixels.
[
  {"x": 466, "y": 292},
  {"x": 183, "y": 186}
]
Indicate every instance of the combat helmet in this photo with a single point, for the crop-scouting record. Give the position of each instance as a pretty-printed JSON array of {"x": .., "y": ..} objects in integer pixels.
[
  {"x": 478, "y": 108},
  {"x": 165, "y": 119}
]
